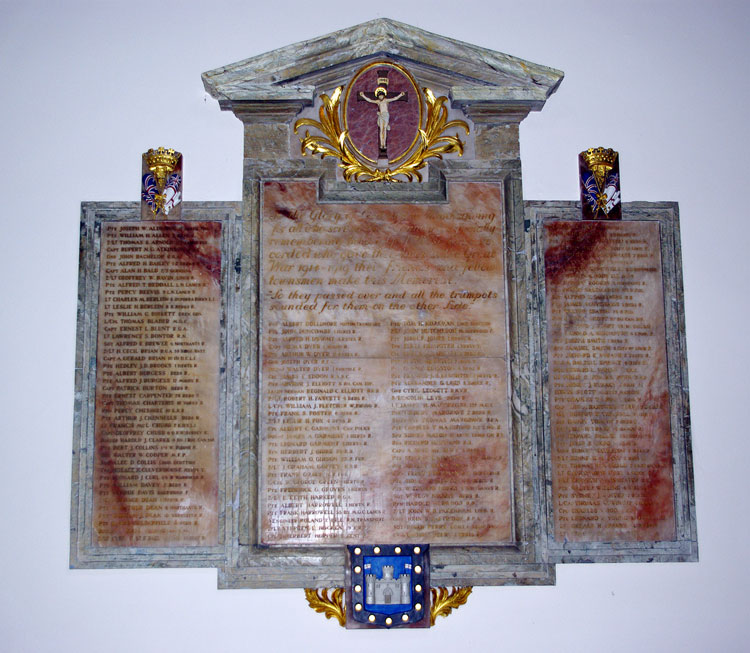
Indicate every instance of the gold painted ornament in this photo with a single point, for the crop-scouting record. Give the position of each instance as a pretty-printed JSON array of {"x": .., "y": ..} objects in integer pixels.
[
  {"x": 330, "y": 602},
  {"x": 332, "y": 606},
  {"x": 336, "y": 126}
]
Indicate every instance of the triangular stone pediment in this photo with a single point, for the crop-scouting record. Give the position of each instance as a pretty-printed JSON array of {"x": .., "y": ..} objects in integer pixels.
[{"x": 300, "y": 71}]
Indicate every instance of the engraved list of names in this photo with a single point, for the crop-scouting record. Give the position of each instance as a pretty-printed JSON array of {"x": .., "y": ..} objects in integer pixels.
[
  {"x": 384, "y": 374},
  {"x": 156, "y": 430},
  {"x": 609, "y": 398}
]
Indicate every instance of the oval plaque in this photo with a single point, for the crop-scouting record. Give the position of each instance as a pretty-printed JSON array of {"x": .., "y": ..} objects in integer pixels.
[{"x": 382, "y": 112}]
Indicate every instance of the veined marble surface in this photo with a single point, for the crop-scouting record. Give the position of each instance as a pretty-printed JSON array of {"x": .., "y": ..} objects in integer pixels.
[{"x": 384, "y": 372}]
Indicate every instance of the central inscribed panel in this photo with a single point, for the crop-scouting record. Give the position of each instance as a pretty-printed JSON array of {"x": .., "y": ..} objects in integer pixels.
[{"x": 384, "y": 370}]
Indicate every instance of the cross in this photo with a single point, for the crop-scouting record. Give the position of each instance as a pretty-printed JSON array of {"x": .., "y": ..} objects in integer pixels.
[{"x": 382, "y": 98}]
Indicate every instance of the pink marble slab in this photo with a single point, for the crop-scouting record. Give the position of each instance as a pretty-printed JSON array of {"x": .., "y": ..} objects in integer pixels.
[
  {"x": 157, "y": 383},
  {"x": 609, "y": 397},
  {"x": 384, "y": 384}
]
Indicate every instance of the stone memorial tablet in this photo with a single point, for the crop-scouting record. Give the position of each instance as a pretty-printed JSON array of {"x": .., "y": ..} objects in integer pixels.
[
  {"x": 148, "y": 472},
  {"x": 382, "y": 377},
  {"x": 384, "y": 411},
  {"x": 609, "y": 397},
  {"x": 157, "y": 408},
  {"x": 617, "y": 422}
]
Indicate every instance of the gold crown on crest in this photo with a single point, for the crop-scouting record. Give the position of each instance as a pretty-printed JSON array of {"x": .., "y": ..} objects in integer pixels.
[
  {"x": 600, "y": 161},
  {"x": 161, "y": 162}
]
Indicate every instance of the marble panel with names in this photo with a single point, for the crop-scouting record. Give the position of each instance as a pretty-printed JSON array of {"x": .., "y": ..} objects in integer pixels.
[
  {"x": 612, "y": 478},
  {"x": 384, "y": 374},
  {"x": 157, "y": 385}
]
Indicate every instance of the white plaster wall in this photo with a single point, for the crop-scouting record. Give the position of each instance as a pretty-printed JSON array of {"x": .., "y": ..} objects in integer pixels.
[{"x": 87, "y": 87}]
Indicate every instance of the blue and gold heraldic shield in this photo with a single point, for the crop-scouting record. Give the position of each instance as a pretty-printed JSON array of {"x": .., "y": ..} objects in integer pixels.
[{"x": 388, "y": 584}]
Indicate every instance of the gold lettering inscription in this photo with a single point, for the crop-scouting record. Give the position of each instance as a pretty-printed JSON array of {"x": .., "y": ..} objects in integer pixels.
[
  {"x": 384, "y": 410},
  {"x": 156, "y": 430},
  {"x": 609, "y": 399}
]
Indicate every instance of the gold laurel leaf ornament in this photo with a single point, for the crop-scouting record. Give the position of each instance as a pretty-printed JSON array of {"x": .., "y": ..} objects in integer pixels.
[
  {"x": 445, "y": 600},
  {"x": 331, "y": 606},
  {"x": 432, "y": 141}
]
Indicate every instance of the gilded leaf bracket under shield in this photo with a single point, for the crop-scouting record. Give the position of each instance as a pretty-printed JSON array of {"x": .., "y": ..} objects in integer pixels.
[
  {"x": 332, "y": 606},
  {"x": 432, "y": 141},
  {"x": 444, "y": 601}
]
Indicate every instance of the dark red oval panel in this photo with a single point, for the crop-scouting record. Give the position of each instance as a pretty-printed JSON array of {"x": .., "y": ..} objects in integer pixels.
[{"x": 362, "y": 116}]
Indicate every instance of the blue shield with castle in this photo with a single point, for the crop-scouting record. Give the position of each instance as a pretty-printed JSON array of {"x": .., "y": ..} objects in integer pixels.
[{"x": 388, "y": 584}]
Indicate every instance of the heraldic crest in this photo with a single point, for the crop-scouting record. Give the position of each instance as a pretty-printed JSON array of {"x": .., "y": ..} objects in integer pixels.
[{"x": 161, "y": 183}]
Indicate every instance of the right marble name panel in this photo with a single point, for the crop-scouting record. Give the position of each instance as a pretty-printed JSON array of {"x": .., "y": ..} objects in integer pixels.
[{"x": 611, "y": 445}]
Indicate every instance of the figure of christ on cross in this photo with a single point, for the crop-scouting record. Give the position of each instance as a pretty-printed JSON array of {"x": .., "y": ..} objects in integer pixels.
[{"x": 380, "y": 97}]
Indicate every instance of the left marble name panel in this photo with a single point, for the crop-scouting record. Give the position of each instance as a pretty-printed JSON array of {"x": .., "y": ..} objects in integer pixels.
[{"x": 151, "y": 397}]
